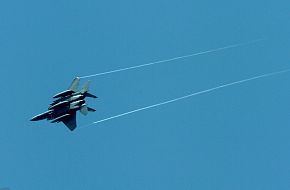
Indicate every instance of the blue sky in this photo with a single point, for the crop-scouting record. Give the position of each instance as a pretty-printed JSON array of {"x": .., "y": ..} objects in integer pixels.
[{"x": 232, "y": 139}]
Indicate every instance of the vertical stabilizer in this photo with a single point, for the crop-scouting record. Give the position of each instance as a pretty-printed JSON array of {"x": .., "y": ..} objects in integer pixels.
[
  {"x": 86, "y": 87},
  {"x": 75, "y": 84}
]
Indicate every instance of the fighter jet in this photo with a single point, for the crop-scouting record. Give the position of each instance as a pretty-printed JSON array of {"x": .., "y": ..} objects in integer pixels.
[{"x": 66, "y": 104}]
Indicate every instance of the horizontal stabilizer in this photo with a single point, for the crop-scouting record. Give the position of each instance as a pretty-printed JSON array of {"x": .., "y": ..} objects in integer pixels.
[
  {"x": 91, "y": 109},
  {"x": 90, "y": 95}
]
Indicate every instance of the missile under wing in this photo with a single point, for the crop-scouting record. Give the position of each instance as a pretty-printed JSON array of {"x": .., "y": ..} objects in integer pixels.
[
  {"x": 73, "y": 94},
  {"x": 66, "y": 104},
  {"x": 72, "y": 88}
]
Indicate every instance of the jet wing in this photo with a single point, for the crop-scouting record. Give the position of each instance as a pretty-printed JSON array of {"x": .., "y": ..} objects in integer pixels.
[{"x": 71, "y": 121}]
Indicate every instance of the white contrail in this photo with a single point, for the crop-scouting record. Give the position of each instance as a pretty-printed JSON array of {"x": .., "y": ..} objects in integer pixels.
[
  {"x": 190, "y": 95},
  {"x": 175, "y": 58}
]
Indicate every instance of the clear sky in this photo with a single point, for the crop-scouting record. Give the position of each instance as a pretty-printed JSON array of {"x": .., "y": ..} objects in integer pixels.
[{"x": 235, "y": 138}]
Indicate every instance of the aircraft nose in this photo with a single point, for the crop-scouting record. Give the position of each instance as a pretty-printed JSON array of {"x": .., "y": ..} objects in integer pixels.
[{"x": 34, "y": 118}]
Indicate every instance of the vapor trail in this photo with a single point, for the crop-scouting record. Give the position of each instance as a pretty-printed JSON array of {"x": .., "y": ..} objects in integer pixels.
[
  {"x": 175, "y": 58},
  {"x": 190, "y": 95}
]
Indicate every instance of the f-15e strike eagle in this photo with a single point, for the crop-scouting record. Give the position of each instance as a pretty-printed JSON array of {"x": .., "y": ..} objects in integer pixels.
[{"x": 66, "y": 104}]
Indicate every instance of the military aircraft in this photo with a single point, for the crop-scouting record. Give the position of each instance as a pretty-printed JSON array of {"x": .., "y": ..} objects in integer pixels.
[{"x": 66, "y": 104}]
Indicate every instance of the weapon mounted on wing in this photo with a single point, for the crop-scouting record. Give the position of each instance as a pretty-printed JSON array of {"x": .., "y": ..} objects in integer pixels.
[{"x": 66, "y": 104}]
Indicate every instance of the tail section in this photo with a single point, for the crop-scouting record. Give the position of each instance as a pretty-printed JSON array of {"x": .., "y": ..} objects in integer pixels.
[
  {"x": 75, "y": 84},
  {"x": 86, "y": 87},
  {"x": 91, "y": 109},
  {"x": 90, "y": 95},
  {"x": 84, "y": 110}
]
